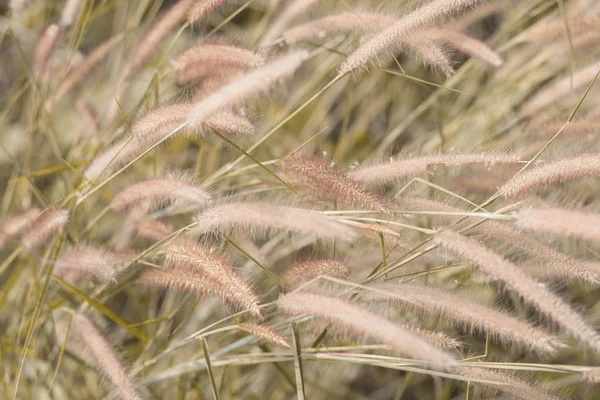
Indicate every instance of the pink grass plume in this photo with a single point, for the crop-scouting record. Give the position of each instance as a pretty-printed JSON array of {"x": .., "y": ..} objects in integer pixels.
[{"x": 44, "y": 226}]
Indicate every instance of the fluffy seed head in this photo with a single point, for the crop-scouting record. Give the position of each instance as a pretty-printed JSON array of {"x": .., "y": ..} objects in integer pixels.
[
  {"x": 419, "y": 19},
  {"x": 44, "y": 48},
  {"x": 44, "y": 226},
  {"x": 410, "y": 167},
  {"x": 306, "y": 270},
  {"x": 86, "y": 263},
  {"x": 246, "y": 86},
  {"x": 265, "y": 333},
  {"x": 323, "y": 180},
  {"x": 561, "y": 222},
  {"x": 174, "y": 187},
  {"x": 206, "y": 59},
  {"x": 218, "y": 275},
  {"x": 359, "y": 321},
  {"x": 261, "y": 216},
  {"x": 463, "y": 311},
  {"x": 517, "y": 281},
  {"x": 16, "y": 224},
  {"x": 105, "y": 357},
  {"x": 553, "y": 172}
]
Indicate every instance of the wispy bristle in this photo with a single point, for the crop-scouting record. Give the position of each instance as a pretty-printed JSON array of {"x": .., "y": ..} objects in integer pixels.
[
  {"x": 553, "y": 172},
  {"x": 263, "y": 332},
  {"x": 463, "y": 311},
  {"x": 44, "y": 226},
  {"x": 16, "y": 224},
  {"x": 306, "y": 270},
  {"x": 359, "y": 322},
  {"x": 325, "y": 181},
  {"x": 103, "y": 353},
  {"x": 86, "y": 263},
  {"x": 261, "y": 216},
  {"x": 408, "y": 168},
  {"x": 515, "y": 280}
]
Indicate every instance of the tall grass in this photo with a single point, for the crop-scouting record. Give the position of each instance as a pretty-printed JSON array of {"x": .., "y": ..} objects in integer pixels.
[{"x": 278, "y": 199}]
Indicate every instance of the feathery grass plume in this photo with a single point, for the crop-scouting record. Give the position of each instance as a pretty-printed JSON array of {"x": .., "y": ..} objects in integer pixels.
[
  {"x": 123, "y": 237},
  {"x": 306, "y": 270},
  {"x": 154, "y": 229},
  {"x": 325, "y": 181},
  {"x": 265, "y": 333},
  {"x": 560, "y": 264},
  {"x": 465, "y": 44},
  {"x": 466, "y": 312},
  {"x": 81, "y": 72},
  {"x": 16, "y": 224},
  {"x": 231, "y": 124},
  {"x": 432, "y": 55},
  {"x": 559, "y": 89},
  {"x": 151, "y": 39},
  {"x": 359, "y": 321},
  {"x": 410, "y": 167},
  {"x": 204, "y": 8},
  {"x": 44, "y": 226},
  {"x": 70, "y": 11},
  {"x": 556, "y": 171},
  {"x": 112, "y": 158},
  {"x": 561, "y": 222},
  {"x": 423, "y": 17},
  {"x": 156, "y": 124},
  {"x": 200, "y": 61},
  {"x": 108, "y": 362},
  {"x": 365, "y": 22},
  {"x": 261, "y": 216},
  {"x": 508, "y": 384},
  {"x": 195, "y": 283},
  {"x": 86, "y": 263},
  {"x": 219, "y": 276},
  {"x": 172, "y": 188},
  {"x": 293, "y": 11},
  {"x": 515, "y": 280},
  {"x": 247, "y": 85},
  {"x": 346, "y": 22},
  {"x": 44, "y": 48},
  {"x": 556, "y": 28},
  {"x": 556, "y": 263}
]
